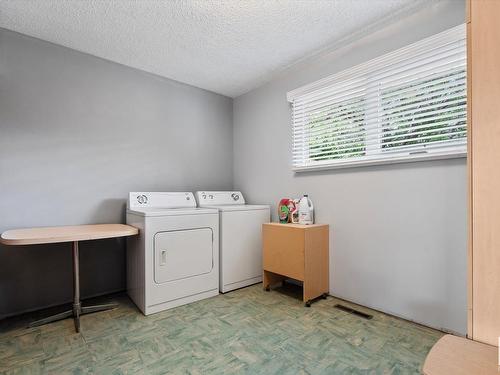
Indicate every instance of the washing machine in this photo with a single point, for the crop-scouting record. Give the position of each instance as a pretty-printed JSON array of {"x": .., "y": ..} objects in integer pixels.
[
  {"x": 175, "y": 258},
  {"x": 240, "y": 228}
]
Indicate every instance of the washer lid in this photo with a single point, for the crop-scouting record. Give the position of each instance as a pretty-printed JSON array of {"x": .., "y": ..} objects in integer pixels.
[
  {"x": 152, "y": 211},
  {"x": 219, "y": 198},
  {"x": 241, "y": 207}
]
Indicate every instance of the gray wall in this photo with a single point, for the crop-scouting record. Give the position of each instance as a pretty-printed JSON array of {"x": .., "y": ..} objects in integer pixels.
[
  {"x": 77, "y": 133},
  {"x": 398, "y": 232}
]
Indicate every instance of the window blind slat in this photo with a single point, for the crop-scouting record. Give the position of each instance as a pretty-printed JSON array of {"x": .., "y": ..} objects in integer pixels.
[
  {"x": 458, "y": 131},
  {"x": 410, "y": 100},
  {"x": 457, "y": 146},
  {"x": 398, "y": 133},
  {"x": 452, "y": 37},
  {"x": 302, "y": 111},
  {"x": 437, "y": 67},
  {"x": 457, "y": 107}
]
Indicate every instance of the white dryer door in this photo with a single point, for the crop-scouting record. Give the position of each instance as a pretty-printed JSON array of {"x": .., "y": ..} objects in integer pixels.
[{"x": 181, "y": 254}]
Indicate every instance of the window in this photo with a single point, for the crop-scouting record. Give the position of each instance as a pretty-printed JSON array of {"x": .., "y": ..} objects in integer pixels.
[{"x": 410, "y": 104}]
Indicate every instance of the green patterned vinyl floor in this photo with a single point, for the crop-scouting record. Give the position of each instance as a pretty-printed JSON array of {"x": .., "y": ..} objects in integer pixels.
[{"x": 247, "y": 331}]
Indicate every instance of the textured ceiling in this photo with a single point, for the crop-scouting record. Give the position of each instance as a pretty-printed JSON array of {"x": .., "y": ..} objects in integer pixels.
[{"x": 225, "y": 46}]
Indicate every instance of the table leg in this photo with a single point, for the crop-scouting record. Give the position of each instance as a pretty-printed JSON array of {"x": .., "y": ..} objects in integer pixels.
[
  {"x": 78, "y": 309},
  {"x": 53, "y": 318},
  {"x": 96, "y": 308}
]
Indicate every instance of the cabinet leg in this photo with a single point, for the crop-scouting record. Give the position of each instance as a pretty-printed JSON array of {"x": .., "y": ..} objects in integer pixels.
[
  {"x": 270, "y": 278},
  {"x": 308, "y": 303}
]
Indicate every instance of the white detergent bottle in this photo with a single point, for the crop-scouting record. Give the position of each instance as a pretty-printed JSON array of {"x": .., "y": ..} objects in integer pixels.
[{"x": 306, "y": 211}]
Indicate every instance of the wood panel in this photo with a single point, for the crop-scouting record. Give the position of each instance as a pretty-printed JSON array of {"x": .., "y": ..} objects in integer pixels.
[
  {"x": 485, "y": 146},
  {"x": 469, "y": 180},
  {"x": 316, "y": 262},
  {"x": 270, "y": 279},
  {"x": 283, "y": 250},
  {"x": 453, "y": 355}
]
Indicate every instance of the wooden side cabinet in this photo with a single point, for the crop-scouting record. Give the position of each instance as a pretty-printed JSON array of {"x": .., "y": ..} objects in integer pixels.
[{"x": 298, "y": 252}]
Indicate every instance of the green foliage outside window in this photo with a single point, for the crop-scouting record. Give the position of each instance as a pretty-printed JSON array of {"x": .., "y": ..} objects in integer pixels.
[
  {"x": 340, "y": 131},
  {"x": 404, "y": 115},
  {"x": 418, "y": 113}
]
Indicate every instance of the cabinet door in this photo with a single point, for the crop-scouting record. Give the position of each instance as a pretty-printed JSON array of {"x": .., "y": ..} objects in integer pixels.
[
  {"x": 316, "y": 262},
  {"x": 182, "y": 254},
  {"x": 283, "y": 250},
  {"x": 485, "y": 152}
]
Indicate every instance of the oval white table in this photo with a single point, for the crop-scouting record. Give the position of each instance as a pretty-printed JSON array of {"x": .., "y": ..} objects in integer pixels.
[{"x": 74, "y": 234}]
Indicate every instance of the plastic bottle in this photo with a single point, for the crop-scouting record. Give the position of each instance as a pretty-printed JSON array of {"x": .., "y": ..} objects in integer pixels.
[{"x": 306, "y": 211}]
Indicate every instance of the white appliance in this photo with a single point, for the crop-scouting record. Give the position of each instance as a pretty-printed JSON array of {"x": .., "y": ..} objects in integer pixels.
[
  {"x": 240, "y": 237},
  {"x": 175, "y": 258}
]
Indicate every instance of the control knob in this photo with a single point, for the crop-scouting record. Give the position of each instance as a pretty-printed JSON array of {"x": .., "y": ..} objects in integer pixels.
[{"x": 142, "y": 199}]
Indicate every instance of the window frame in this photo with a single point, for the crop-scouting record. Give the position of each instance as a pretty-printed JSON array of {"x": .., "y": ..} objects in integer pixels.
[{"x": 374, "y": 154}]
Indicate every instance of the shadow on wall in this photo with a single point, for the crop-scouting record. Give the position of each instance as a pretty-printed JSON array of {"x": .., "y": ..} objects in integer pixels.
[
  {"x": 48, "y": 272},
  {"x": 110, "y": 211},
  {"x": 47, "y": 278}
]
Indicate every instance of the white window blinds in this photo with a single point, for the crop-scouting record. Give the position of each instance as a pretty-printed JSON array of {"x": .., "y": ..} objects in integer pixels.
[{"x": 408, "y": 104}]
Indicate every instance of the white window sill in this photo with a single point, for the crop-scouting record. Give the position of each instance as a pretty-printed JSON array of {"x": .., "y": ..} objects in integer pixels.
[{"x": 381, "y": 161}]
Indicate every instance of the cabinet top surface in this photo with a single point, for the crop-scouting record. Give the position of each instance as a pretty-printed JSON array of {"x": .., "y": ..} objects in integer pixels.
[{"x": 300, "y": 226}]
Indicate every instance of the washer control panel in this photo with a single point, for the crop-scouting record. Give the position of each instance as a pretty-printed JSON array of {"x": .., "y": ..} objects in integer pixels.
[
  {"x": 219, "y": 198},
  {"x": 161, "y": 200}
]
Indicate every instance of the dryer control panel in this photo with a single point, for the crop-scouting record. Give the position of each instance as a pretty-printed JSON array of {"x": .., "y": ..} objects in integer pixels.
[
  {"x": 219, "y": 198},
  {"x": 157, "y": 199}
]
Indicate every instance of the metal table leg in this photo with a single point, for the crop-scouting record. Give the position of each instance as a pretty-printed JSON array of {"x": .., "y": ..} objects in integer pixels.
[
  {"x": 77, "y": 306},
  {"x": 78, "y": 309}
]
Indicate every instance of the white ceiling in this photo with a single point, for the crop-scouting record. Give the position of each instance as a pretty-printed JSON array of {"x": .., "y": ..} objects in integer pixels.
[{"x": 225, "y": 46}]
